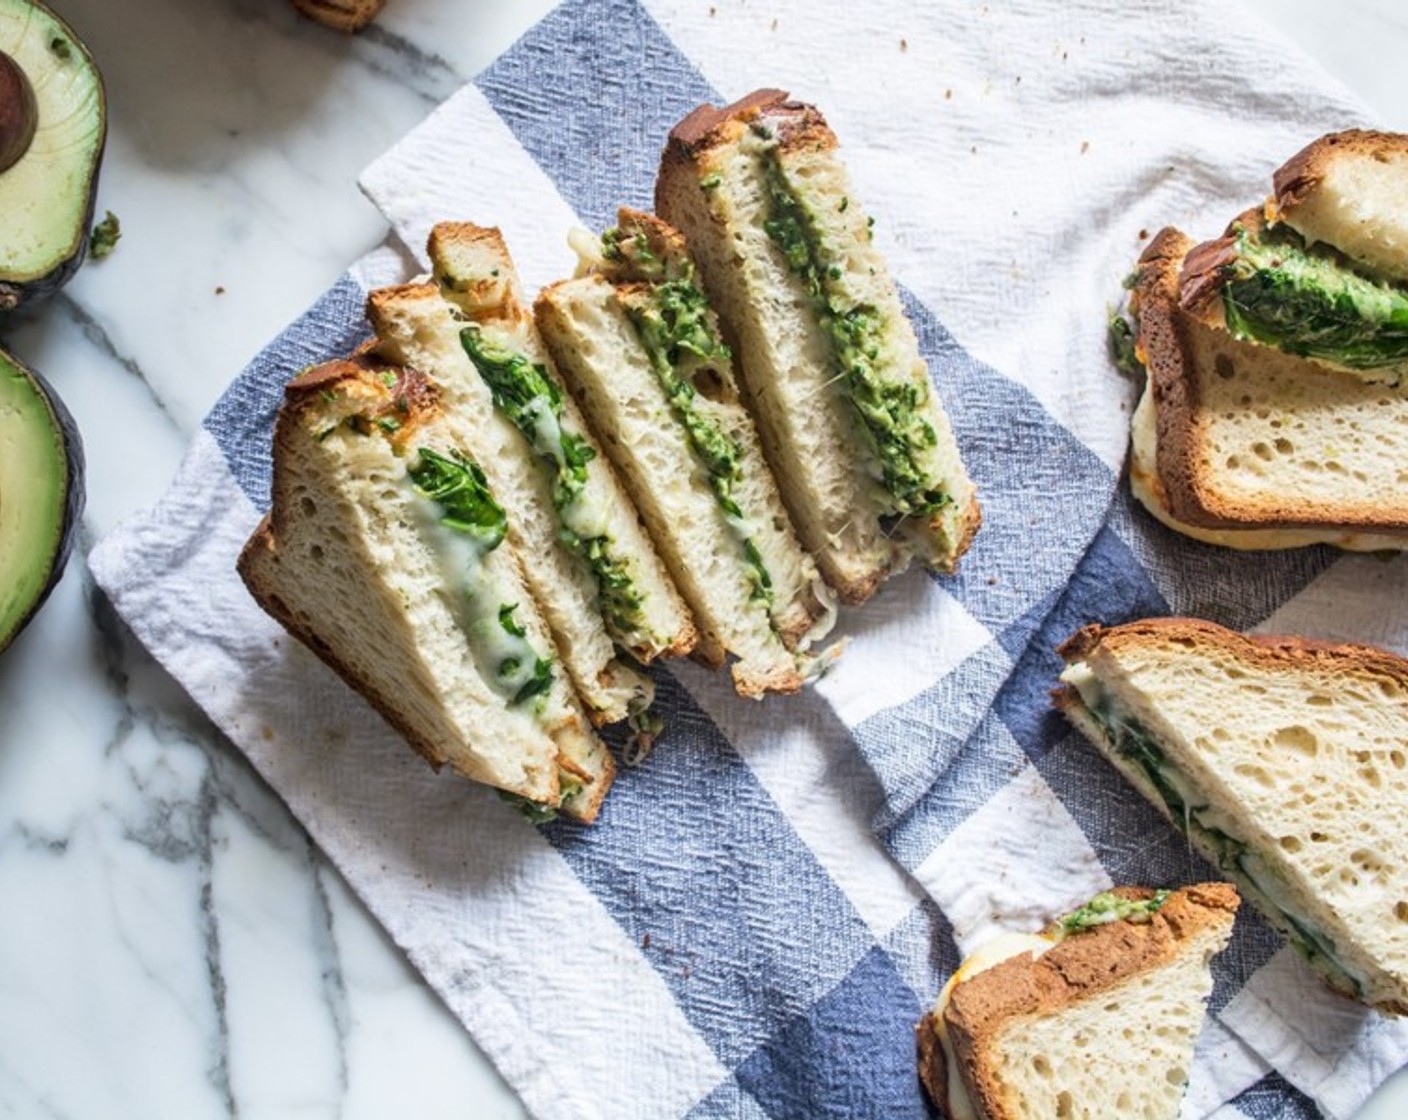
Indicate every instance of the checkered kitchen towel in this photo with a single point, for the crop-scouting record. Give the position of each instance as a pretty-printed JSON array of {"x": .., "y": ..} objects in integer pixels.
[{"x": 765, "y": 908}]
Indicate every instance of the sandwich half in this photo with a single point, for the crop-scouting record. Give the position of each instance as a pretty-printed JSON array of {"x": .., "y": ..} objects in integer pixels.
[
  {"x": 1286, "y": 764},
  {"x": 641, "y": 350},
  {"x": 1093, "y": 1018},
  {"x": 588, "y": 562},
  {"x": 1246, "y": 446},
  {"x": 850, "y": 422},
  {"x": 385, "y": 553}
]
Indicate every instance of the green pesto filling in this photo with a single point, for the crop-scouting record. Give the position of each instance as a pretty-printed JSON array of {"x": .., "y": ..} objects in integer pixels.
[
  {"x": 896, "y": 430},
  {"x": 1122, "y": 337},
  {"x": 534, "y": 812},
  {"x": 673, "y": 326},
  {"x": 1309, "y": 302},
  {"x": 458, "y": 487},
  {"x": 1131, "y": 740},
  {"x": 525, "y": 393},
  {"x": 1107, "y": 907}
]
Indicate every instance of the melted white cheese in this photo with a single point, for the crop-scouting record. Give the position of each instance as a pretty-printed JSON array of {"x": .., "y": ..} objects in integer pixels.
[{"x": 461, "y": 560}]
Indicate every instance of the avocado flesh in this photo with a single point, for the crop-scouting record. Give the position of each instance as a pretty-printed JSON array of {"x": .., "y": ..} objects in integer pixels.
[
  {"x": 41, "y": 493},
  {"x": 47, "y": 196}
]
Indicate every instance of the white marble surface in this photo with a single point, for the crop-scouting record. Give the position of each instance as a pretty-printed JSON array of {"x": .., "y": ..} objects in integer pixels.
[{"x": 170, "y": 942}]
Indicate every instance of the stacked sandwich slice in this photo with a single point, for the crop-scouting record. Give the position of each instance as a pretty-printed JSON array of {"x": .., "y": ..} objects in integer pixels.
[
  {"x": 1284, "y": 761},
  {"x": 861, "y": 445},
  {"x": 385, "y": 552},
  {"x": 635, "y": 454},
  {"x": 1094, "y": 1017},
  {"x": 1276, "y": 410},
  {"x": 641, "y": 348},
  {"x": 585, "y": 556}
]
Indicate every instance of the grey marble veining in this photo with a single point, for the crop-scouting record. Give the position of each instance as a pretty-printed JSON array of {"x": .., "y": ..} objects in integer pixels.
[{"x": 171, "y": 944}]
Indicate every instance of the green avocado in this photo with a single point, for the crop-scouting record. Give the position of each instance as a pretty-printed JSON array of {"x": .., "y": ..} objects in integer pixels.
[
  {"x": 53, "y": 125},
  {"x": 41, "y": 492}
]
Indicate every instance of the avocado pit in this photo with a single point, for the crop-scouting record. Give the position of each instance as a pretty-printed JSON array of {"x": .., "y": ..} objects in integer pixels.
[{"x": 19, "y": 112}]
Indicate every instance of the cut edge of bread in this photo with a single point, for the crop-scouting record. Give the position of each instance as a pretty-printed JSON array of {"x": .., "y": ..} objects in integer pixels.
[
  {"x": 1079, "y": 968},
  {"x": 1315, "y": 668},
  {"x": 281, "y": 583},
  {"x": 595, "y": 346},
  {"x": 476, "y": 275},
  {"x": 1327, "y": 192}
]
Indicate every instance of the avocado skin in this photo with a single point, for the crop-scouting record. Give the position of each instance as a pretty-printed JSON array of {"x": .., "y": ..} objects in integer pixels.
[
  {"x": 66, "y": 428},
  {"x": 18, "y": 293}
]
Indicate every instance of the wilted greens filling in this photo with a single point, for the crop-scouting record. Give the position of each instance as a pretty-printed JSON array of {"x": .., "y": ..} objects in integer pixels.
[
  {"x": 1309, "y": 302},
  {"x": 525, "y": 393},
  {"x": 457, "y": 486}
]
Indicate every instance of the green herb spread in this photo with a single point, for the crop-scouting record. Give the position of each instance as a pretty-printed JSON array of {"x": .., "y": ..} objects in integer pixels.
[
  {"x": 1107, "y": 907},
  {"x": 1122, "y": 338},
  {"x": 674, "y": 327},
  {"x": 1310, "y": 302},
  {"x": 890, "y": 411},
  {"x": 525, "y": 393}
]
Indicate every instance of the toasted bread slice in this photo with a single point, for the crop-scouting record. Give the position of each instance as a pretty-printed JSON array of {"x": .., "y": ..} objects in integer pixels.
[
  {"x": 1232, "y": 437},
  {"x": 1350, "y": 190},
  {"x": 430, "y": 623},
  {"x": 341, "y": 15},
  {"x": 589, "y": 564},
  {"x": 1286, "y": 763},
  {"x": 641, "y": 351},
  {"x": 854, "y": 430},
  {"x": 1094, "y": 1018}
]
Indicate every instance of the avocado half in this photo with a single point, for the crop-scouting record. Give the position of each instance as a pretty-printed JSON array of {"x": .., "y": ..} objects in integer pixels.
[
  {"x": 53, "y": 124},
  {"x": 41, "y": 492}
]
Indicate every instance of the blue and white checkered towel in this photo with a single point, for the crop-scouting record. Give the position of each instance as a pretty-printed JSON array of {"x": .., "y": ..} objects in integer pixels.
[{"x": 766, "y": 907}]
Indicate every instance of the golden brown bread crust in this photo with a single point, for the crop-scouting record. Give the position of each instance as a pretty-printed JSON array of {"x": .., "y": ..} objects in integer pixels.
[
  {"x": 933, "y": 1063},
  {"x": 1080, "y": 966},
  {"x": 1203, "y": 271},
  {"x": 972, "y": 522},
  {"x": 796, "y": 125},
  {"x": 493, "y": 292},
  {"x": 1258, "y": 651},
  {"x": 700, "y": 128},
  {"x": 341, "y": 15},
  {"x": 1301, "y": 175},
  {"x": 1162, "y": 343}
]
